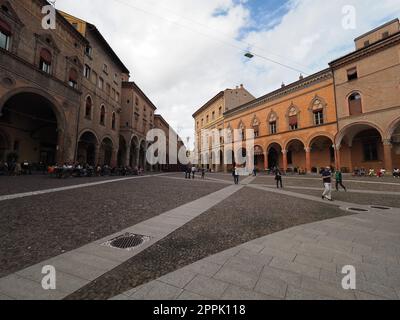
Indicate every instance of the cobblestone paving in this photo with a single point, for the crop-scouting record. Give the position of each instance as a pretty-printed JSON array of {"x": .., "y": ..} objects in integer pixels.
[{"x": 37, "y": 228}]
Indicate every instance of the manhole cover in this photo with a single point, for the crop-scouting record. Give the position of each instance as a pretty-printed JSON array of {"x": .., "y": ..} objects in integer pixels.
[
  {"x": 358, "y": 209},
  {"x": 380, "y": 207},
  {"x": 127, "y": 241}
]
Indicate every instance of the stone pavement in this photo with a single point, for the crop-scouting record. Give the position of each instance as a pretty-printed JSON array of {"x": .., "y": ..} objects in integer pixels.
[
  {"x": 79, "y": 267},
  {"x": 303, "y": 262}
]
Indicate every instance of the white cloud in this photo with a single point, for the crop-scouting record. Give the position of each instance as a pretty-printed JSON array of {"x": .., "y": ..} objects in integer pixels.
[{"x": 181, "y": 54}]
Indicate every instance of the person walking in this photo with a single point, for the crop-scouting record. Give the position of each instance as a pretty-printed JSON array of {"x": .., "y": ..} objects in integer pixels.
[
  {"x": 187, "y": 172},
  {"x": 327, "y": 180},
  {"x": 278, "y": 178},
  {"x": 193, "y": 172},
  {"x": 235, "y": 173},
  {"x": 203, "y": 173},
  {"x": 339, "y": 180}
]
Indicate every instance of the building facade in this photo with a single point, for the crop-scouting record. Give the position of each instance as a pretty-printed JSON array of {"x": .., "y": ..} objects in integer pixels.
[
  {"x": 65, "y": 95},
  {"x": 347, "y": 116},
  {"x": 211, "y": 117},
  {"x": 367, "y": 84}
]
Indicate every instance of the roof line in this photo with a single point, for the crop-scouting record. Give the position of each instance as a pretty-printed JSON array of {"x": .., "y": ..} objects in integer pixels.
[
  {"x": 133, "y": 84},
  {"x": 377, "y": 28}
]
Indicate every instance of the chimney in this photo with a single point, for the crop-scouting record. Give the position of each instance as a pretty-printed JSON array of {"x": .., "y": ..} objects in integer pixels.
[
  {"x": 283, "y": 85},
  {"x": 301, "y": 77},
  {"x": 241, "y": 86}
]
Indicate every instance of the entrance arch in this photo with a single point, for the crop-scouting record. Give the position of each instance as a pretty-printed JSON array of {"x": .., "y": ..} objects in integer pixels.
[
  {"x": 87, "y": 147},
  {"x": 259, "y": 161},
  {"x": 274, "y": 156},
  {"x": 35, "y": 124},
  {"x": 106, "y": 152},
  {"x": 296, "y": 155},
  {"x": 134, "y": 152},
  {"x": 361, "y": 147},
  {"x": 322, "y": 153}
]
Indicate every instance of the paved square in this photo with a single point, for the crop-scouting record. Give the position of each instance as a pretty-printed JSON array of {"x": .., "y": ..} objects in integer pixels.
[{"x": 209, "y": 239}]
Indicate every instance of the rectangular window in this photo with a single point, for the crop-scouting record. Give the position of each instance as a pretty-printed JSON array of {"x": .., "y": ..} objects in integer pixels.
[
  {"x": 45, "y": 66},
  {"x": 352, "y": 74},
  {"x": 272, "y": 127},
  {"x": 4, "y": 41},
  {"x": 88, "y": 51},
  {"x": 385, "y": 35},
  {"x": 366, "y": 43},
  {"x": 86, "y": 71},
  {"x": 213, "y": 115},
  {"x": 220, "y": 111},
  {"x": 319, "y": 117},
  {"x": 101, "y": 83},
  {"x": 117, "y": 96},
  {"x": 370, "y": 151}
]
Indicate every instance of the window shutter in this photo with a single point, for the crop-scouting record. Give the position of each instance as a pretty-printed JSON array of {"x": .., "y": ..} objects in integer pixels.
[
  {"x": 292, "y": 120},
  {"x": 45, "y": 55},
  {"x": 73, "y": 75},
  {"x": 5, "y": 28}
]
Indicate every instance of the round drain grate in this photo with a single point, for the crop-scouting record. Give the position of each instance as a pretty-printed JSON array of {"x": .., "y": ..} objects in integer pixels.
[{"x": 127, "y": 241}]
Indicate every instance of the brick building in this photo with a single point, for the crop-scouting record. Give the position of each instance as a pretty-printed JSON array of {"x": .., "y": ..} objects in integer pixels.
[{"x": 65, "y": 95}]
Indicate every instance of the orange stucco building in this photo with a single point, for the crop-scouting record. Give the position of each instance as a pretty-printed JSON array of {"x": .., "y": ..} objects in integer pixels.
[{"x": 346, "y": 116}]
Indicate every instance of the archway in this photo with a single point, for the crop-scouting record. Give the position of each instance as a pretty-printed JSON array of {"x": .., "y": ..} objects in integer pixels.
[
  {"x": 361, "y": 147},
  {"x": 87, "y": 146},
  {"x": 259, "y": 161},
  {"x": 106, "y": 151},
  {"x": 322, "y": 153},
  {"x": 31, "y": 120},
  {"x": 275, "y": 156},
  {"x": 296, "y": 156}
]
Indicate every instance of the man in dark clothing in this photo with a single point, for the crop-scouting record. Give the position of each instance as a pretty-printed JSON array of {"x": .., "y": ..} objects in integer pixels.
[{"x": 278, "y": 178}]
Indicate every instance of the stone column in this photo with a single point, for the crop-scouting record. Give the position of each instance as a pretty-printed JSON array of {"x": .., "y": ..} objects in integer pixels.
[
  {"x": 97, "y": 155},
  {"x": 266, "y": 164},
  {"x": 60, "y": 147},
  {"x": 338, "y": 163},
  {"x": 144, "y": 161},
  {"x": 387, "y": 152},
  {"x": 285, "y": 164},
  {"x": 308, "y": 159},
  {"x": 114, "y": 158},
  {"x": 127, "y": 156},
  {"x": 137, "y": 157}
]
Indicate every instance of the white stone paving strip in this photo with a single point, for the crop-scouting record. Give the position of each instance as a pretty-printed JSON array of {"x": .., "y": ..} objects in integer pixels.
[
  {"x": 303, "y": 262},
  {"x": 79, "y": 267},
  {"x": 390, "y": 193},
  {"x": 77, "y": 186}
]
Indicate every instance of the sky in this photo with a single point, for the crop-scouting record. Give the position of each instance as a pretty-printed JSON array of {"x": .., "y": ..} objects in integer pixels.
[{"x": 183, "y": 52}]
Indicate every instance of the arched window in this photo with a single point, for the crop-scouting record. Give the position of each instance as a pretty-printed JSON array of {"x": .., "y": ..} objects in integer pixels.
[
  {"x": 113, "y": 121},
  {"x": 103, "y": 116},
  {"x": 256, "y": 127},
  {"x": 5, "y": 35},
  {"x": 273, "y": 119},
  {"x": 355, "y": 104},
  {"x": 293, "y": 118},
  {"x": 88, "y": 108},
  {"x": 73, "y": 78},
  {"x": 45, "y": 60},
  {"x": 318, "y": 112}
]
